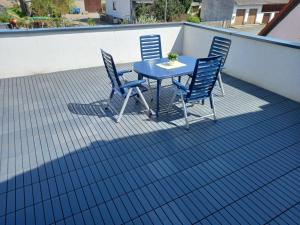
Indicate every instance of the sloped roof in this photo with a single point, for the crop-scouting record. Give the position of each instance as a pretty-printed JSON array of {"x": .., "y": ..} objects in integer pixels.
[
  {"x": 277, "y": 19},
  {"x": 260, "y": 2}
]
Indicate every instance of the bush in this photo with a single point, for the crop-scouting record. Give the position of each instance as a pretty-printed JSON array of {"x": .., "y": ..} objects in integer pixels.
[
  {"x": 193, "y": 19},
  {"x": 25, "y": 22},
  {"x": 124, "y": 21},
  {"x": 143, "y": 10},
  {"x": 4, "y": 17},
  {"x": 91, "y": 22},
  {"x": 146, "y": 19},
  {"x": 15, "y": 11}
]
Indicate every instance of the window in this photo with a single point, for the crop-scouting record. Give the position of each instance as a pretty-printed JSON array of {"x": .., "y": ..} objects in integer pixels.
[{"x": 114, "y": 5}]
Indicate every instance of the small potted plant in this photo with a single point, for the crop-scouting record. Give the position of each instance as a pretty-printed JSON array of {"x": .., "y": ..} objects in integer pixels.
[{"x": 172, "y": 58}]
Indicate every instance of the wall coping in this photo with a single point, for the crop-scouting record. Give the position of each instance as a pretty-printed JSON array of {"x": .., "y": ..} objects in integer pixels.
[
  {"x": 275, "y": 41},
  {"x": 47, "y": 31}
]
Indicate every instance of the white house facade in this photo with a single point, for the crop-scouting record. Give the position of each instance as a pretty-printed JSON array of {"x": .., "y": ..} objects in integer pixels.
[
  {"x": 123, "y": 9},
  {"x": 255, "y": 11},
  {"x": 237, "y": 9},
  {"x": 240, "y": 12},
  {"x": 120, "y": 9}
]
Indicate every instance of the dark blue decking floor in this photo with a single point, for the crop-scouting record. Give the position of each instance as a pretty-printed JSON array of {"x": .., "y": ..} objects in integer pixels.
[{"x": 64, "y": 160}]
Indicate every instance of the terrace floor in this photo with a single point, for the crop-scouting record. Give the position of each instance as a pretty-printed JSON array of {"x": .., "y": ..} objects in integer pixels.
[{"x": 64, "y": 160}]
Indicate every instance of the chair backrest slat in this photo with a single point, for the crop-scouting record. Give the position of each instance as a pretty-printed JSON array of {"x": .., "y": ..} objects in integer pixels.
[
  {"x": 111, "y": 71},
  {"x": 220, "y": 46},
  {"x": 150, "y": 47},
  {"x": 204, "y": 77}
]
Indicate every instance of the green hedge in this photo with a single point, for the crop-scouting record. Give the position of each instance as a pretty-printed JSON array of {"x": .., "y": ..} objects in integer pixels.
[{"x": 193, "y": 19}]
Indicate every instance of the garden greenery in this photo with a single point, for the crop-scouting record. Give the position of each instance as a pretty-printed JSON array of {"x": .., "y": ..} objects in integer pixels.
[{"x": 175, "y": 9}]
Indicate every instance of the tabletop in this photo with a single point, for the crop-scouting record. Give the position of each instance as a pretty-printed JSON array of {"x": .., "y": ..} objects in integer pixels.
[{"x": 149, "y": 68}]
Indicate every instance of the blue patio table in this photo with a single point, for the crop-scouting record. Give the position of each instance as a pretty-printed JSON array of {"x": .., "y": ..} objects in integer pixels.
[{"x": 149, "y": 69}]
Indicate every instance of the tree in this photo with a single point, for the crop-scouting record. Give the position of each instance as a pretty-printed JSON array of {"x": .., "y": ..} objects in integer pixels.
[
  {"x": 186, "y": 4},
  {"x": 42, "y": 7},
  {"x": 63, "y": 6},
  {"x": 54, "y": 8},
  {"x": 24, "y": 7},
  {"x": 143, "y": 10},
  {"x": 175, "y": 9}
]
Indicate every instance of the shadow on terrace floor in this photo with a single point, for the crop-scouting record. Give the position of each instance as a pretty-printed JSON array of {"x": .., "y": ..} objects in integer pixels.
[
  {"x": 176, "y": 111},
  {"x": 235, "y": 168}
]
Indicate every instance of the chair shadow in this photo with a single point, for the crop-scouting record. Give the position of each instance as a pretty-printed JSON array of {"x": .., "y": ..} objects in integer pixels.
[
  {"x": 100, "y": 109},
  {"x": 97, "y": 108},
  {"x": 172, "y": 115}
]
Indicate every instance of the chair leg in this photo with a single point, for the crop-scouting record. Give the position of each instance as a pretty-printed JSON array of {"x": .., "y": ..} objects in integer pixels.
[
  {"x": 150, "y": 89},
  {"x": 148, "y": 81},
  {"x": 172, "y": 100},
  {"x": 188, "y": 81},
  {"x": 212, "y": 105},
  {"x": 124, "y": 105},
  {"x": 185, "y": 112},
  {"x": 143, "y": 99},
  {"x": 221, "y": 83}
]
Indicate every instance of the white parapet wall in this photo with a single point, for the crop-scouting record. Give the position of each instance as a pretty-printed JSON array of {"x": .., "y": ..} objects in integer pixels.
[
  {"x": 44, "y": 51},
  {"x": 268, "y": 63}
]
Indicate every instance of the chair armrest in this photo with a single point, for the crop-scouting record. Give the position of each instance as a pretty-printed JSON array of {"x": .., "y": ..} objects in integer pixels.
[
  {"x": 122, "y": 72},
  {"x": 180, "y": 86},
  {"x": 132, "y": 84}
]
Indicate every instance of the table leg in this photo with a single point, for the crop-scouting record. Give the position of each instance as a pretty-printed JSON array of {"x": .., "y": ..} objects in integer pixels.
[
  {"x": 157, "y": 96},
  {"x": 140, "y": 77}
]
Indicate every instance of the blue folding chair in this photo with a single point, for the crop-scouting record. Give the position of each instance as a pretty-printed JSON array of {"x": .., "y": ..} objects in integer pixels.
[
  {"x": 150, "y": 48},
  {"x": 123, "y": 89},
  {"x": 220, "y": 47},
  {"x": 203, "y": 81}
]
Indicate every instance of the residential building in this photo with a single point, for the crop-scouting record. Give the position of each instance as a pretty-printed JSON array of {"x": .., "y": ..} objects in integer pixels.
[
  {"x": 90, "y": 6},
  {"x": 123, "y": 9},
  {"x": 216, "y": 10},
  {"x": 256, "y": 11},
  {"x": 239, "y": 12},
  {"x": 286, "y": 24}
]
